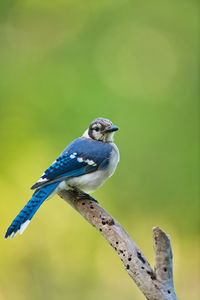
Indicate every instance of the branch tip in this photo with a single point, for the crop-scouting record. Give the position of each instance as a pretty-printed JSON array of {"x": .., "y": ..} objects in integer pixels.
[{"x": 156, "y": 285}]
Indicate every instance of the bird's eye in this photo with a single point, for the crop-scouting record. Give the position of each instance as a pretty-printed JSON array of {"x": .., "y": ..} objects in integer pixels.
[{"x": 96, "y": 128}]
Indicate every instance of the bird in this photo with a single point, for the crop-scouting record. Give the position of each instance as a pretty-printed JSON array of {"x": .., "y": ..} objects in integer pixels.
[{"x": 82, "y": 167}]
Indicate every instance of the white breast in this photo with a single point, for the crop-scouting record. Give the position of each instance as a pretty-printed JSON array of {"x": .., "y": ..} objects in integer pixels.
[
  {"x": 90, "y": 182},
  {"x": 114, "y": 159}
]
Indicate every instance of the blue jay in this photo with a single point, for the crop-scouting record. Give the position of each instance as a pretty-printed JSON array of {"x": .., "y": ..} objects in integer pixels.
[{"x": 83, "y": 166}]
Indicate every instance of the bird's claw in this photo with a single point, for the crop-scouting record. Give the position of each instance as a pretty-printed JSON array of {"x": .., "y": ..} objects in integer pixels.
[{"x": 82, "y": 195}]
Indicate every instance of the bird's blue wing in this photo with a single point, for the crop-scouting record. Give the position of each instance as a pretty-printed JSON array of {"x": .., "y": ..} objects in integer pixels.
[{"x": 81, "y": 157}]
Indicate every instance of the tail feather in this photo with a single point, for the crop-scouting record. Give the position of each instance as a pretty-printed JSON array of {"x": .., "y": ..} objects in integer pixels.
[{"x": 23, "y": 218}]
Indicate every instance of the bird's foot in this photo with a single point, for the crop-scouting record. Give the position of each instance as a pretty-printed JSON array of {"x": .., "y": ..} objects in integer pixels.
[
  {"x": 81, "y": 195},
  {"x": 88, "y": 197}
]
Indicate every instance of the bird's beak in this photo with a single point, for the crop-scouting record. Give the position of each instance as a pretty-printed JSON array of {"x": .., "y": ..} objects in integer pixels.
[{"x": 111, "y": 129}]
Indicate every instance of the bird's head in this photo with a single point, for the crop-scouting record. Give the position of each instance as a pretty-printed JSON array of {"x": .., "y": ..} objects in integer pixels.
[{"x": 101, "y": 130}]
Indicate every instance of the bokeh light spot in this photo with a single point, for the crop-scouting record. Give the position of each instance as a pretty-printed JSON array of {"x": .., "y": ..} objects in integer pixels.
[{"x": 136, "y": 61}]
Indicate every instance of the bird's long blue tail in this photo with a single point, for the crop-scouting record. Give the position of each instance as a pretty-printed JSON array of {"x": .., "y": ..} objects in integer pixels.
[{"x": 23, "y": 218}]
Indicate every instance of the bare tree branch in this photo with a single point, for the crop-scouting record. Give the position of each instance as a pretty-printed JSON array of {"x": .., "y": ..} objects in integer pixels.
[{"x": 155, "y": 285}]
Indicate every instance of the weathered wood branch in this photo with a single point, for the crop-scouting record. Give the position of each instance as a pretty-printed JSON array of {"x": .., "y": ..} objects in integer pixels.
[{"x": 155, "y": 284}]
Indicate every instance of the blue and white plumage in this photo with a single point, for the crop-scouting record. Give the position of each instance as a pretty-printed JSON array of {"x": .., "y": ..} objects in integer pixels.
[{"x": 84, "y": 165}]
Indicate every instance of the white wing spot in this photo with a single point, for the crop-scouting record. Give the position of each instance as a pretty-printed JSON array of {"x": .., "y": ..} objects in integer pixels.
[
  {"x": 79, "y": 159},
  {"x": 75, "y": 153},
  {"x": 72, "y": 156},
  {"x": 89, "y": 162}
]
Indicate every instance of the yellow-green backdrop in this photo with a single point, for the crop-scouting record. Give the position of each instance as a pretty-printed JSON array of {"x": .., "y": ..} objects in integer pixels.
[{"x": 62, "y": 64}]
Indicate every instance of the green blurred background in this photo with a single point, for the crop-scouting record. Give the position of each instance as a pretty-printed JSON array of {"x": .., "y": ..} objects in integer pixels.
[{"x": 62, "y": 64}]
